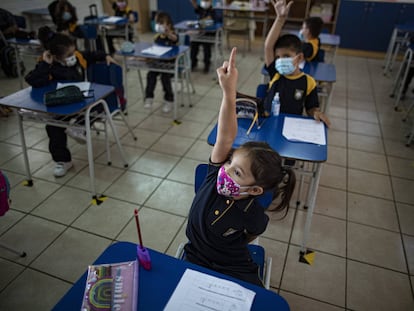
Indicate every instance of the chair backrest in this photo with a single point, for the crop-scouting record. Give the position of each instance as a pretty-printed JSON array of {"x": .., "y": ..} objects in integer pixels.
[
  {"x": 109, "y": 75},
  {"x": 89, "y": 31},
  {"x": 201, "y": 172},
  {"x": 261, "y": 90}
]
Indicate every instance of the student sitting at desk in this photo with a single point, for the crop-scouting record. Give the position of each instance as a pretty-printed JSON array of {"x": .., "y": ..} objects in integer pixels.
[
  {"x": 165, "y": 36},
  {"x": 205, "y": 11},
  {"x": 225, "y": 215},
  {"x": 283, "y": 55},
  {"x": 64, "y": 16},
  {"x": 309, "y": 34},
  {"x": 121, "y": 9},
  {"x": 61, "y": 62}
]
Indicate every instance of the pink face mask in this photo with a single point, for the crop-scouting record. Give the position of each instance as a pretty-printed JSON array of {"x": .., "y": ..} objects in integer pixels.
[{"x": 227, "y": 186}]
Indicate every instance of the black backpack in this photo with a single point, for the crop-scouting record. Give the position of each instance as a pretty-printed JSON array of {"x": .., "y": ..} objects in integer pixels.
[{"x": 8, "y": 62}]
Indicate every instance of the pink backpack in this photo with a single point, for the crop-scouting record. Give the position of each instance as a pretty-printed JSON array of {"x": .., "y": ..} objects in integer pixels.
[{"x": 4, "y": 193}]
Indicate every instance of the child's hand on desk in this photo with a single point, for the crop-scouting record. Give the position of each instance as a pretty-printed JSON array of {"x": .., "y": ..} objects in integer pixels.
[
  {"x": 320, "y": 116},
  {"x": 281, "y": 8},
  {"x": 228, "y": 74}
]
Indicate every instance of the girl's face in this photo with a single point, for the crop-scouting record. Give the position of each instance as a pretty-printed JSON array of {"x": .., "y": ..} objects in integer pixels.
[
  {"x": 65, "y": 59},
  {"x": 238, "y": 168}
]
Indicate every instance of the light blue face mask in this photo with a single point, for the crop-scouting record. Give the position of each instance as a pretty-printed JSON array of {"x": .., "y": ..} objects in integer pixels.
[
  {"x": 285, "y": 66},
  {"x": 66, "y": 16}
]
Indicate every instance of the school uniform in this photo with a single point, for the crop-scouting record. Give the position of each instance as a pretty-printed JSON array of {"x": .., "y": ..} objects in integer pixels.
[
  {"x": 217, "y": 227},
  {"x": 311, "y": 49},
  {"x": 161, "y": 39},
  {"x": 295, "y": 91},
  {"x": 44, "y": 74},
  {"x": 202, "y": 14},
  {"x": 121, "y": 13}
]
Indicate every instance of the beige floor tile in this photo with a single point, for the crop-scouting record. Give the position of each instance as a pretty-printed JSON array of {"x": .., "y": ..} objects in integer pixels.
[
  {"x": 154, "y": 163},
  {"x": 401, "y": 168},
  {"x": 131, "y": 156},
  {"x": 403, "y": 190},
  {"x": 156, "y": 123},
  {"x": 406, "y": 216},
  {"x": 31, "y": 235},
  {"x": 174, "y": 145},
  {"x": 184, "y": 171},
  {"x": 333, "y": 176},
  {"x": 14, "y": 179},
  {"x": 376, "y": 246},
  {"x": 9, "y": 271},
  {"x": 146, "y": 138},
  {"x": 172, "y": 197},
  {"x": 398, "y": 149},
  {"x": 373, "y": 288},
  {"x": 133, "y": 187},
  {"x": 104, "y": 176},
  {"x": 369, "y": 184},
  {"x": 362, "y": 115},
  {"x": 365, "y": 143},
  {"x": 46, "y": 171},
  {"x": 79, "y": 151},
  {"x": 9, "y": 219},
  {"x": 52, "y": 208},
  {"x": 331, "y": 202},
  {"x": 188, "y": 128},
  {"x": 32, "y": 136},
  {"x": 372, "y": 162},
  {"x": 158, "y": 229},
  {"x": 324, "y": 280},
  {"x": 280, "y": 228},
  {"x": 365, "y": 128},
  {"x": 336, "y": 138},
  {"x": 42, "y": 292},
  {"x": 278, "y": 252},
  {"x": 361, "y": 102},
  {"x": 66, "y": 258},
  {"x": 199, "y": 151},
  {"x": 337, "y": 156},
  {"x": 336, "y": 111},
  {"x": 37, "y": 159},
  {"x": 372, "y": 211},
  {"x": 300, "y": 303},
  {"x": 326, "y": 234},
  {"x": 8, "y": 151},
  {"x": 107, "y": 219},
  {"x": 338, "y": 124},
  {"x": 180, "y": 238},
  {"x": 409, "y": 250}
]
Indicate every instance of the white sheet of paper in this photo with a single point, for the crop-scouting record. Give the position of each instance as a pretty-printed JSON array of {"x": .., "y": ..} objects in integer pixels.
[
  {"x": 156, "y": 50},
  {"x": 198, "y": 291},
  {"x": 112, "y": 19},
  {"x": 84, "y": 86},
  {"x": 306, "y": 130}
]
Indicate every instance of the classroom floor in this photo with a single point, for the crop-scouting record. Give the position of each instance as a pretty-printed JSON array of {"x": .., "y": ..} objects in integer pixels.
[{"x": 362, "y": 230}]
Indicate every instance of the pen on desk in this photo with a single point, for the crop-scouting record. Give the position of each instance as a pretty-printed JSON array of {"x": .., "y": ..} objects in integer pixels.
[
  {"x": 142, "y": 253},
  {"x": 260, "y": 125}
]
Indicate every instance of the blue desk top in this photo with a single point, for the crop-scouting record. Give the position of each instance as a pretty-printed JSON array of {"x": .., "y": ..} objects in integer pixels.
[
  {"x": 194, "y": 25},
  {"x": 321, "y": 72},
  {"x": 271, "y": 132},
  {"x": 157, "y": 285},
  {"x": 170, "y": 55},
  {"x": 32, "y": 99}
]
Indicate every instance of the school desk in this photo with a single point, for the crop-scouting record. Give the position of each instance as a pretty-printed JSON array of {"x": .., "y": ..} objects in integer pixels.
[
  {"x": 176, "y": 62},
  {"x": 32, "y": 99},
  {"x": 212, "y": 34},
  {"x": 271, "y": 132},
  {"x": 156, "y": 286}
]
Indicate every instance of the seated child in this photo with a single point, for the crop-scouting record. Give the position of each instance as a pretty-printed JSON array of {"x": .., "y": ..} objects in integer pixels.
[
  {"x": 64, "y": 16},
  {"x": 61, "y": 62},
  {"x": 225, "y": 215},
  {"x": 309, "y": 34},
  {"x": 165, "y": 36},
  {"x": 283, "y": 55},
  {"x": 204, "y": 10}
]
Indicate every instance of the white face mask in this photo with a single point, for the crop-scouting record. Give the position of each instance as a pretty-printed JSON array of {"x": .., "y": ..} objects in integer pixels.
[
  {"x": 159, "y": 28},
  {"x": 71, "y": 61},
  {"x": 205, "y": 4}
]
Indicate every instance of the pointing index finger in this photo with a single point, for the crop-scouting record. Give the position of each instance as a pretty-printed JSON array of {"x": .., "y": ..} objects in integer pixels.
[{"x": 232, "y": 59}]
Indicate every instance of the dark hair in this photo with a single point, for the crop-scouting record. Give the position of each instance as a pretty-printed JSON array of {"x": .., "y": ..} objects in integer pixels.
[
  {"x": 289, "y": 41},
  {"x": 314, "y": 24},
  {"x": 57, "y": 43},
  {"x": 163, "y": 17},
  {"x": 267, "y": 170}
]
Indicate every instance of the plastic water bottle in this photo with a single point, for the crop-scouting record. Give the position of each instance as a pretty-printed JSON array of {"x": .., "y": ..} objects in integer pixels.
[{"x": 276, "y": 105}]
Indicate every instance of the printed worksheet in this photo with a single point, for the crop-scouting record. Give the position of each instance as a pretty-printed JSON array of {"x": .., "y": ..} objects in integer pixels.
[
  {"x": 305, "y": 130},
  {"x": 156, "y": 50},
  {"x": 198, "y": 291}
]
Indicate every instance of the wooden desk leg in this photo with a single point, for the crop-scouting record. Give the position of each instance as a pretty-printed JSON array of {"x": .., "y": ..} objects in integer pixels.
[
  {"x": 29, "y": 181},
  {"x": 314, "y": 191}
]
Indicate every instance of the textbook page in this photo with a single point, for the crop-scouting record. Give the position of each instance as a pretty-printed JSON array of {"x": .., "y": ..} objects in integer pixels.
[
  {"x": 83, "y": 86},
  {"x": 198, "y": 291},
  {"x": 305, "y": 130},
  {"x": 156, "y": 50}
]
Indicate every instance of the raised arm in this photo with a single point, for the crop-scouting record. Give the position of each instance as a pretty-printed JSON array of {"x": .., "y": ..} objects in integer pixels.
[
  {"x": 227, "y": 120},
  {"x": 282, "y": 11}
]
